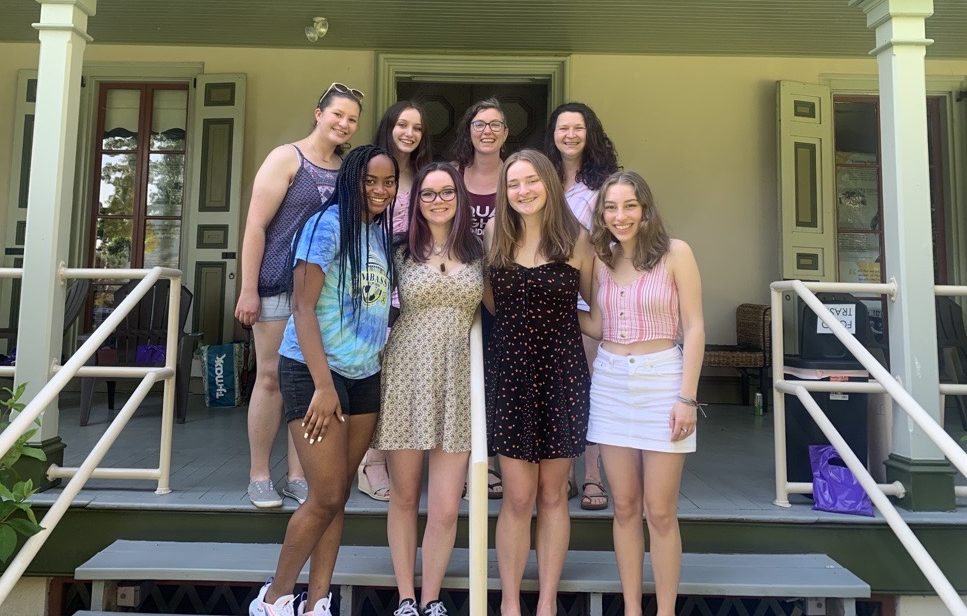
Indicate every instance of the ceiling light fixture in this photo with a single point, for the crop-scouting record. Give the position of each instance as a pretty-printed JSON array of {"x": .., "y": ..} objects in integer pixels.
[{"x": 318, "y": 29}]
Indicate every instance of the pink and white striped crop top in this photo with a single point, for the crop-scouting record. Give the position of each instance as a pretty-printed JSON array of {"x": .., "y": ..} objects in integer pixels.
[{"x": 646, "y": 309}]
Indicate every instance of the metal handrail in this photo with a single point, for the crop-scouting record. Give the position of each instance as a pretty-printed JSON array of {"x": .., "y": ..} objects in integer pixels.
[
  {"x": 75, "y": 366},
  {"x": 478, "y": 473},
  {"x": 877, "y": 493}
]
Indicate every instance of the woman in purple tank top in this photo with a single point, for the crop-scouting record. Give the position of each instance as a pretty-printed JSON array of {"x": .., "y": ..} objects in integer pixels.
[{"x": 291, "y": 184}]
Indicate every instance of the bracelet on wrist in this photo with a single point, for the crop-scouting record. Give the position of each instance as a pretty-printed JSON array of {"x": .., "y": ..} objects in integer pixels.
[{"x": 692, "y": 402}]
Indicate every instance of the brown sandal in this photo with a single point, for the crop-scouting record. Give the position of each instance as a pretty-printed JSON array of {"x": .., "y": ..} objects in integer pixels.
[{"x": 587, "y": 501}]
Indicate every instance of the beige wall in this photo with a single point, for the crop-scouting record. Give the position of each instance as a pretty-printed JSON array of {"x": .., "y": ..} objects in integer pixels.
[{"x": 700, "y": 129}]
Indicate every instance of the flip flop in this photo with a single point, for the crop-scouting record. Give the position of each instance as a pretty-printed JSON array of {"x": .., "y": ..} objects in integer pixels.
[
  {"x": 492, "y": 492},
  {"x": 587, "y": 501}
]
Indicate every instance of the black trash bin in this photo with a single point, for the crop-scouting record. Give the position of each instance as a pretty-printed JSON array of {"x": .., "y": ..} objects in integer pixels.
[{"x": 824, "y": 358}]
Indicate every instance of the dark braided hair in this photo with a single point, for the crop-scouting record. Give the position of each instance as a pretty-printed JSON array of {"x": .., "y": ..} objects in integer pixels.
[
  {"x": 599, "y": 158},
  {"x": 350, "y": 196}
]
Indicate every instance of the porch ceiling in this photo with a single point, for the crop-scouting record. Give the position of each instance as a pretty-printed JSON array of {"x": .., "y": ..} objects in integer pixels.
[{"x": 704, "y": 27}]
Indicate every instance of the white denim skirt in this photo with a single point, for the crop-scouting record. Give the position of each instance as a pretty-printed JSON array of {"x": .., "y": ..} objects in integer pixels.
[{"x": 632, "y": 398}]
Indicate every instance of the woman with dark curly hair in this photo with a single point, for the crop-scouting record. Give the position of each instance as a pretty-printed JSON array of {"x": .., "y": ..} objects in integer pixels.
[{"x": 584, "y": 157}]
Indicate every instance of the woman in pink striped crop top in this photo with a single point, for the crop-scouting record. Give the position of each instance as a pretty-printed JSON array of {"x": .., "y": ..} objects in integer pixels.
[{"x": 643, "y": 410}]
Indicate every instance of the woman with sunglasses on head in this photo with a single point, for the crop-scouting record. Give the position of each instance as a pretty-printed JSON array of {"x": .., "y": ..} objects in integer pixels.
[
  {"x": 329, "y": 369},
  {"x": 476, "y": 153},
  {"x": 537, "y": 374},
  {"x": 584, "y": 157},
  {"x": 426, "y": 381},
  {"x": 293, "y": 182},
  {"x": 402, "y": 131},
  {"x": 643, "y": 393}
]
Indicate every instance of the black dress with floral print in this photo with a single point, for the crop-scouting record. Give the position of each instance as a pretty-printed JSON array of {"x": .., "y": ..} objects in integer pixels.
[{"x": 537, "y": 375}]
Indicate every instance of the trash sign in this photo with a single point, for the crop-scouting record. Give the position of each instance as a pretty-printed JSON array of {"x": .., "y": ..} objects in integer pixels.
[{"x": 845, "y": 313}]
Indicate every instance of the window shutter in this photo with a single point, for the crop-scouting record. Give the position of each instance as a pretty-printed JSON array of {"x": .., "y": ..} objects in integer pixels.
[
  {"x": 806, "y": 177},
  {"x": 15, "y": 216},
  {"x": 213, "y": 224}
]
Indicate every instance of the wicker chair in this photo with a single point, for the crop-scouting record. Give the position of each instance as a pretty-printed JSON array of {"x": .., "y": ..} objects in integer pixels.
[{"x": 752, "y": 352}]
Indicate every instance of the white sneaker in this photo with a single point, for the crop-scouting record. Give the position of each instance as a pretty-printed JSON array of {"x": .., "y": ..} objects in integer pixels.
[
  {"x": 283, "y": 606},
  {"x": 321, "y": 608}
]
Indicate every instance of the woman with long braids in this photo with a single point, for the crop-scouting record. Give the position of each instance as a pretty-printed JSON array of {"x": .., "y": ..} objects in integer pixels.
[
  {"x": 584, "y": 157},
  {"x": 537, "y": 374},
  {"x": 402, "y": 131},
  {"x": 293, "y": 182},
  {"x": 477, "y": 154},
  {"x": 426, "y": 382},
  {"x": 643, "y": 393},
  {"x": 329, "y": 369}
]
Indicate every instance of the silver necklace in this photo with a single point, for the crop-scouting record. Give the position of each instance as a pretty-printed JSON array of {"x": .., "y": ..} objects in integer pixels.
[{"x": 438, "y": 248}]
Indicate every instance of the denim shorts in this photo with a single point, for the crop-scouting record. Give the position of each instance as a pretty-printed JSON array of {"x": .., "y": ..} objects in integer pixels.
[
  {"x": 356, "y": 396},
  {"x": 275, "y": 308}
]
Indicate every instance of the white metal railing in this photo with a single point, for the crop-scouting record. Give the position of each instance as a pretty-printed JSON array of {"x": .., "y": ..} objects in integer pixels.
[
  {"x": 953, "y": 389},
  {"x": 884, "y": 382},
  {"x": 75, "y": 367},
  {"x": 477, "y": 489}
]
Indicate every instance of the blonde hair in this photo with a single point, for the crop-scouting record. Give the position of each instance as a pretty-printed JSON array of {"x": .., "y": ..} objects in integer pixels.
[
  {"x": 652, "y": 240},
  {"x": 559, "y": 227}
]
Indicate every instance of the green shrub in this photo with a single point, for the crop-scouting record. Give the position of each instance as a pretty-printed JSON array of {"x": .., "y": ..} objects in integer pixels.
[{"x": 16, "y": 516}]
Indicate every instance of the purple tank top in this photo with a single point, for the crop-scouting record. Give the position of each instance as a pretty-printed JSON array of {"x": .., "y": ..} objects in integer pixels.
[{"x": 309, "y": 189}]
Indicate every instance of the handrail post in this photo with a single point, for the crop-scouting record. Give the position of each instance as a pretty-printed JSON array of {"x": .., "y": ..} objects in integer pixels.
[
  {"x": 479, "y": 520},
  {"x": 778, "y": 399},
  {"x": 168, "y": 400}
]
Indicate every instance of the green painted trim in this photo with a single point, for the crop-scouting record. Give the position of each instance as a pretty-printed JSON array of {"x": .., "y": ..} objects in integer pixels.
[
  {"x": 392, "y": 67},
  {"x": 929, "y": 483},
  {"x": 36, "y": 470},
  {"x": 871, "y": 551}
]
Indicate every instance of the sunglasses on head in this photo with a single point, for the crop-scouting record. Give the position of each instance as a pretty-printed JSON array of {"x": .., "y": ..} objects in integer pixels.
[{"x": 342, "y": 89}]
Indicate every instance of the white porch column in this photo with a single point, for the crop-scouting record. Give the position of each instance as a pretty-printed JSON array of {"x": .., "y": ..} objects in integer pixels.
[
  {"x": 63, "y": 37},
  {"x": 900, "y": 49}
]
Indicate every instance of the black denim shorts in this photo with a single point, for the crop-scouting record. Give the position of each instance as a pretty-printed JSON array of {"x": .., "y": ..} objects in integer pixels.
[{"x": 356, "y": 396}]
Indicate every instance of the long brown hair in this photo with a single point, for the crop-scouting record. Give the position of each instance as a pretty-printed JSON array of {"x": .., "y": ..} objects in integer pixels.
[
  {"x": 461, "y": 242},
  {"x": 559, "y": 227},
  {"x": 651, "y": 242}
]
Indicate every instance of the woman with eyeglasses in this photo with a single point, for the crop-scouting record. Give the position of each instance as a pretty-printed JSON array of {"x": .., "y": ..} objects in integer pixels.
[
  {"x": 584, "y": 156},
  {"x": 329, "y": 369},
  {"x": 402, "y": 131},
  {"x": 426, "y": 381},
  {"x": 476, "y": 153},
  {"x": 537, "y": 375},
  {"x": 292, "y": 183}
]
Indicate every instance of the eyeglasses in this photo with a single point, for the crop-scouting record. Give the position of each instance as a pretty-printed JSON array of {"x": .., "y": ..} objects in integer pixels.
[
  {"x": 495, "y": 125},
  {"x": 342, "y": 89},
  {"x": 429, "y": 196}
]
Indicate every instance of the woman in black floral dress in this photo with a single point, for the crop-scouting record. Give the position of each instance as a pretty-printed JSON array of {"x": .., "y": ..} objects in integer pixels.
[{"x": 537, "y": 377}]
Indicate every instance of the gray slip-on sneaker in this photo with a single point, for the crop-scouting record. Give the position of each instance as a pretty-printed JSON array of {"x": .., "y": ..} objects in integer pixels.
[
  {"x": 263, "y": 495},
  {"x": 296, "y": 489}
]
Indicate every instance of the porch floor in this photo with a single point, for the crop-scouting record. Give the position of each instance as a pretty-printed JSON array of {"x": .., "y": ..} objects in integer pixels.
[{"x": 730, "y": 477}]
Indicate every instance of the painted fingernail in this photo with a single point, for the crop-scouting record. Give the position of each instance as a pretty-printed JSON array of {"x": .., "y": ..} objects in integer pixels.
[
  {"x": 342, "y": 419},
  {"x": 306, "y": 435},
  {"x": 312, "y": 440}
]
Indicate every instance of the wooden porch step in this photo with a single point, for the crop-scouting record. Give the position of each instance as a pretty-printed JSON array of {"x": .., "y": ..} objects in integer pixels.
[{"x": 591, "y": 572}]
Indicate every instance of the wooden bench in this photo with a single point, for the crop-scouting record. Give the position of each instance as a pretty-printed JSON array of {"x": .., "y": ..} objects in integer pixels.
[
  {"x": 752, "y": 351},
  {"x": 810, "y": 576}
]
